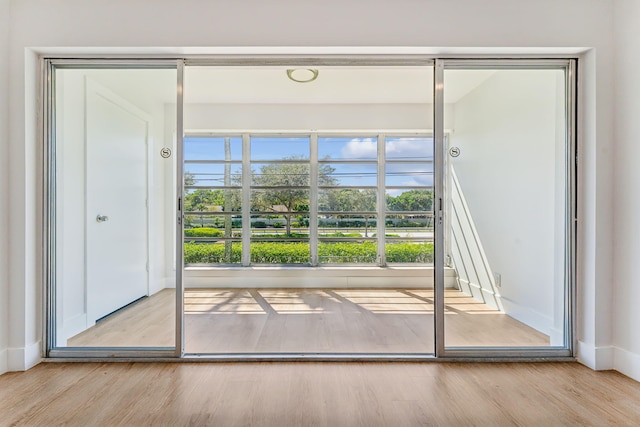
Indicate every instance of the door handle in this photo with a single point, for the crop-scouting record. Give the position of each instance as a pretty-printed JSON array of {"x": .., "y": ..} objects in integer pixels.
[{"x": 102, "y": 218}]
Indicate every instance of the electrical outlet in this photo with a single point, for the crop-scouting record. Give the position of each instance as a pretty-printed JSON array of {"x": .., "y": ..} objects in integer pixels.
[{"x": 497, "y": 278}]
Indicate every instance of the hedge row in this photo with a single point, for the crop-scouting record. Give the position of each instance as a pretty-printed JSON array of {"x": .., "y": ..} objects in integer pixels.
[
  {"x": 409, "y": 252},
  {"x": 298, "y": 253},
  {"x": 306, "y": 235},
  {"x": 214, "y": 232},
  {"x": 203, "y": 232},
  {"x": 322, "y": 223}
]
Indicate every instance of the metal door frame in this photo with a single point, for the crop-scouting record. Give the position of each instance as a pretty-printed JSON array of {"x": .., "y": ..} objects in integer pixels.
[
  {"x": 569, "y": 65},
  {"x": 50, "y": 350},
  {"x": 440, "y": 63}
]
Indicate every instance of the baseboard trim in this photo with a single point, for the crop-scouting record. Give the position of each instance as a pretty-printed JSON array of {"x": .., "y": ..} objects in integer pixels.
[
  {"x": 71, "y": 327},
  {"x": 4, "y": 366},
  {"x": 556, "y": 337},
  {"x": 597, "y": 358},
  {"x": 23, "y": 358},
  {"x": 478, "y": 292},
  {"x": 169, "y": 282},
  {"x": 528, "y": 316},
  {"x": 627, "y": 363}
]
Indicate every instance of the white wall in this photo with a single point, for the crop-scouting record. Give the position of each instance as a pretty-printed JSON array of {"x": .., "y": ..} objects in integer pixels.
[
  {"x": 4, "y": 188},
  {"x": 465, "y": 247},
  {"x": 308, "y": 116},
  {"x": 626, "y": 207},
  {"x": 324, "y": 277},
  {"x": 255, "y": 26},
  {"x": 506, "y": 131},
  {"x": 71, "y": 211}
]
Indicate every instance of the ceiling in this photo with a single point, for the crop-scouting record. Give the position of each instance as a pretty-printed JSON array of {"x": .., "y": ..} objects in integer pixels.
[
  {"x": 270, "y": 85},
  {"x": 341, "y": 85}
]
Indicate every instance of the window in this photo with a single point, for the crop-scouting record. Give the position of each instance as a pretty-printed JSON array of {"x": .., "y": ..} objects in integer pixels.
[
  {"x": 308, "y": 200},
  {"x": 409, "y": 200},
  {"x": 347, "y": 200},
  {"x": 280, "y": 195},
  {"x": 212, "y": 200}
]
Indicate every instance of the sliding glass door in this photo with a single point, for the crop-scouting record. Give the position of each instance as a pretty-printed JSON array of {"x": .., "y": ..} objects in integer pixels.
[
  {"x": 308, "y": 210},
  {"x": 390, "y": 208},
  {"x": 112, "y": 196},
  {"x": 507, "y": 175}
]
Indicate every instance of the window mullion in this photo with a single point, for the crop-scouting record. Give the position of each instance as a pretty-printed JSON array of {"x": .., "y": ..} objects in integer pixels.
[
  {"x": 381, "y": 203},
  {"x": 246, "y": 199},
  {"x": 313, "y": 200}
]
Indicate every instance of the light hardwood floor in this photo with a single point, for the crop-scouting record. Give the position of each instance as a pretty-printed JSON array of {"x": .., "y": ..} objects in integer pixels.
[
  {"x": 147, "y": 323},
  {"x": 311, "y": 320},
  {"x": 317, "y": 394}
]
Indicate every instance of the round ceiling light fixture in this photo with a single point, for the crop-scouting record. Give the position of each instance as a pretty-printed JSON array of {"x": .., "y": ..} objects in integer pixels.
[{"x": 302, "y": 75}]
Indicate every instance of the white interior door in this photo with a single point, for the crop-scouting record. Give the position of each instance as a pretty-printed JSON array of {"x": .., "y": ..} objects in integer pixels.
[{"x": 116, "y": 202}]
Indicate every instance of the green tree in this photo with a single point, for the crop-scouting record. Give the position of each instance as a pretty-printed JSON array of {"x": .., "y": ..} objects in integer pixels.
[
  {"x": 350, "y": 200},
  {"x": 412, "y": 200},
  {"x": 294, "y": 178},
  {"x": 189, "y": 179},
  {"x": 200, "y": 200}
]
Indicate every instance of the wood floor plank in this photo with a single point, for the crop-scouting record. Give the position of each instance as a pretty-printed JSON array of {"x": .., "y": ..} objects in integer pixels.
[
  {"x": 309, "y": 320},
  {"x": 322, "y": 394}
]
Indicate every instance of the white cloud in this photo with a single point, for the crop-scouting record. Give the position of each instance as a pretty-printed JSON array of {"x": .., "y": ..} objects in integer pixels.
[
  {"x": 400, "y": 148},
  {"x": 361, "y": 149},
  {"x": 408, "y": 148},
  {"x": 420, "y": 174},
  {"x": 415, "y": 182}
]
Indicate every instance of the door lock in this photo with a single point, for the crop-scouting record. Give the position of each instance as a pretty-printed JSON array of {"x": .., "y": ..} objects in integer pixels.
[{"x": 102, "y": 218}]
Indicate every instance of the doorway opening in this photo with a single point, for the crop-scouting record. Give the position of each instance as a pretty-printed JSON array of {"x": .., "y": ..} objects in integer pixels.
[{"x": 384, "y": 208}]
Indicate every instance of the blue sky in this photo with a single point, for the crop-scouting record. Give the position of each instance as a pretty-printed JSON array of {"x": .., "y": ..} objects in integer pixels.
[{"x": 362, "y": 149}]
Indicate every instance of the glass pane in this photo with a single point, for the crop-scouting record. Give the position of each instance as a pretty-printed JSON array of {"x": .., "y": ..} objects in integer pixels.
[
  {"x": 352, "y": 227},
  {"x": 207, "y": 227},
  {"x": 209, "y": 148},
  {"x": 207, "y": 201},
  {"x": 279, "y": 148},
  {"x": 347, "y": 200},
  {"x": 210, "y": 220},
  {"x": 115, "y": 193},
  {"x": 278, "y": 200},
  {"x": 409, "y": 251},
  {"x": 280, "y": 175},
  {"x": 410, "y": 225},
  {"x": 212, "y": 175},
  {"x": 214, "y": 251},
  {"x": 409, "y": 148},
  {"x": 348, "y": 174},
  {"x": 414, "y": 200},
  {"x": 280, "y": 252},
  {"x": 347, "y": 148},
  {"x": 409, "y": 174},
  {"x": 506, "y": 199},
  {"x": 347, "y": 252},
  {"x": 292, "y": 226}
]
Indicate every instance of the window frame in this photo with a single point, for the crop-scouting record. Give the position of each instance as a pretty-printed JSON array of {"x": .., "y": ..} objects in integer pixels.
[{"x": 314, "y": 240}]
